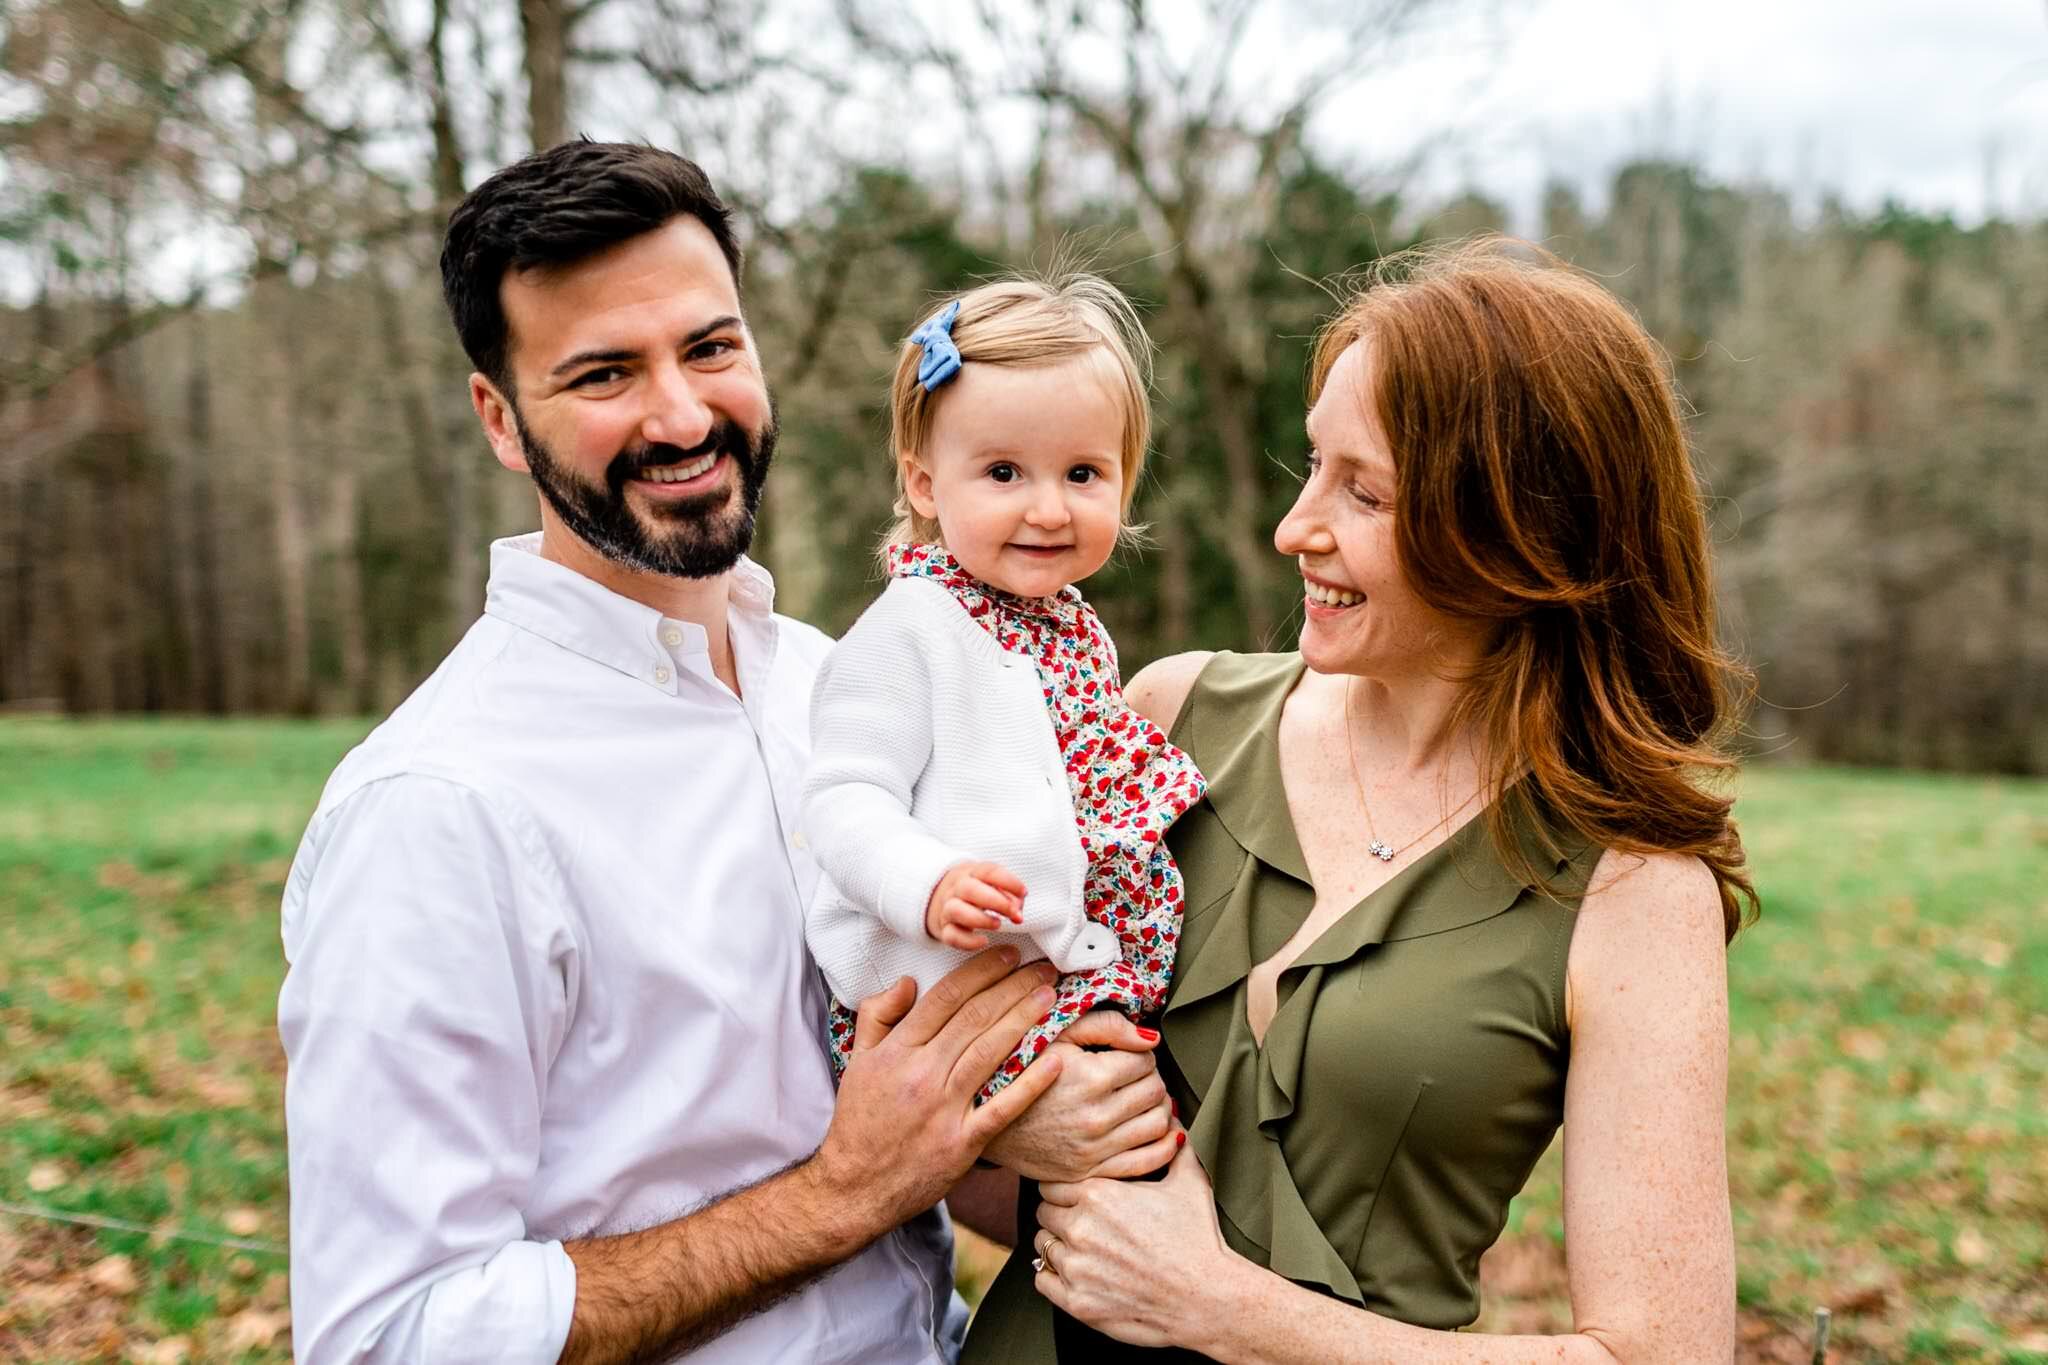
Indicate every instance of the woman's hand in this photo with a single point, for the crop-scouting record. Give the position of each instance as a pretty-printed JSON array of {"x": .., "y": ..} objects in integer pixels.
[
  {"x": 1107, "y": 1115},
  {"x": 1139, "y": 1260}
]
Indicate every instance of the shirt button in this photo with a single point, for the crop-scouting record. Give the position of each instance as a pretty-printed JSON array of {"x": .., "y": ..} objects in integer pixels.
[
  {"x": 672, "y": 637},
  {"x": 797, "y": 841},
  {"x": 662, "y": 675}
]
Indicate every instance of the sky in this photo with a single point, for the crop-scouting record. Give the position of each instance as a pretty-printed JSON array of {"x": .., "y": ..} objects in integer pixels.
[{"x": 1942, "y": 104}]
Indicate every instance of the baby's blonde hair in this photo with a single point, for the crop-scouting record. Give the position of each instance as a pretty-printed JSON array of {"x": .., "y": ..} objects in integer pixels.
[{"x": 1025, "y": 320}]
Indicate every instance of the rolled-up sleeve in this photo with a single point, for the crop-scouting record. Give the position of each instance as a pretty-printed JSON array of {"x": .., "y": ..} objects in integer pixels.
[{"x": 427, "y": 992}]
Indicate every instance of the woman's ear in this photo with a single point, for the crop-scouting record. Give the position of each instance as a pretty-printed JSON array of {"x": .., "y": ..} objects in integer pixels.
[{"x": 917, "y": 486}]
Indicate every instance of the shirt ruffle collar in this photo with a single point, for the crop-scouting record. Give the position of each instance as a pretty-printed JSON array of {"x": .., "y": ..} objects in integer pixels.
[{"x": 907, "y": 560}]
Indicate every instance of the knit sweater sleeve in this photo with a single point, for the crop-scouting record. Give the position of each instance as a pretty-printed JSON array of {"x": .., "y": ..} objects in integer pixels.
[{"x": 871, "y": 737}]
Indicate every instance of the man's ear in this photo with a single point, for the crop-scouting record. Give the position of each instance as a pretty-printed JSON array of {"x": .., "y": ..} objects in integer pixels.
[
  {"x": 917, "y": 486},
  {"x": 501, "y": 429}
]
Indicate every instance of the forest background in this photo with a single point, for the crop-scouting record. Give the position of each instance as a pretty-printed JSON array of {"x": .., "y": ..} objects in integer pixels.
[
  {"x": 243, "y": 497},
  {"x": 239, "y": 473}
]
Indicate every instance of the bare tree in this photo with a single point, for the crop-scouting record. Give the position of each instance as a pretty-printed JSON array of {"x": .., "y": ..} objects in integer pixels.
[{"x": 1197, "y": 139}]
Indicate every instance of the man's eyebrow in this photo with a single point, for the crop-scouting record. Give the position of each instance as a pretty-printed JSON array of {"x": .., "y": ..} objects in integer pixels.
[
  {"x": 609, "y": 355},
  {"x": 582, "y": 358}
]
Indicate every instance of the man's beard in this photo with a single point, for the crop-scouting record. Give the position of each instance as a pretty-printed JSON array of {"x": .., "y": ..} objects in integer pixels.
[{"x": 695, "y": 538}]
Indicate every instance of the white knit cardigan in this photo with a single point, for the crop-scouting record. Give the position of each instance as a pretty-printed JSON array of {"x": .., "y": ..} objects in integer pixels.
[{"x": 932, "y": 745}]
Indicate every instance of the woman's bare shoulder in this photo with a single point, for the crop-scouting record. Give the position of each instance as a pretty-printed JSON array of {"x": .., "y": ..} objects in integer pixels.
[
  {"x": 1651, "y": 921},
  {"x": 1158, "y": 690}
]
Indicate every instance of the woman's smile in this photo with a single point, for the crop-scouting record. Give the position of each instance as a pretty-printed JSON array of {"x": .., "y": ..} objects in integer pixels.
[{"x": 1328, "y": 597}]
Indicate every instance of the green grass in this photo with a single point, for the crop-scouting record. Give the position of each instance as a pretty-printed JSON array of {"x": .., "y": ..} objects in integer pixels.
[{"x": 1888, "y": 1145}]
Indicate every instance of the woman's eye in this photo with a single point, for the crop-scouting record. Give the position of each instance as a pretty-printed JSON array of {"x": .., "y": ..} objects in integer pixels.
[{"x": 1003, "y": 473}]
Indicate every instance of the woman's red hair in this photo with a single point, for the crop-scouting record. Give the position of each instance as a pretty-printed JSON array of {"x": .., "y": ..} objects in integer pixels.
[{"x": 1543, "y": 483}]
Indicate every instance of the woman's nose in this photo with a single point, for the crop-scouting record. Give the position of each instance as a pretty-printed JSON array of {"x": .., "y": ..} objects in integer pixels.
[{"x": 1303, "y": 530}]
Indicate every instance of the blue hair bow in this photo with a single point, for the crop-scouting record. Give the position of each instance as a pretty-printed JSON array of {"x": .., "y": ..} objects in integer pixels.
[{"x": 941, "y": 357}]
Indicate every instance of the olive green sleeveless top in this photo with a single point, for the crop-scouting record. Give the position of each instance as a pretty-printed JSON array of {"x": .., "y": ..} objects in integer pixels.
[{"x": 1412, "y": 1073}]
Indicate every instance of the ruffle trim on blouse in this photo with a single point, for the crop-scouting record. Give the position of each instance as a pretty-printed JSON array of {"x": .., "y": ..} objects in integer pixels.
[{"x": 1249, "y": 1088}]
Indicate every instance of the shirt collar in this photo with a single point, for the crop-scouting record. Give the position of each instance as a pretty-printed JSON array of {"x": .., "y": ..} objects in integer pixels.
[
  {"x": 904, "y": 560},
  {"x": 584, "y": 617}
]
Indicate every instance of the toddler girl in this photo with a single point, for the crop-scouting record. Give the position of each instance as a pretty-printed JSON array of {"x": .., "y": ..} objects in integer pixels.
[{"x": 976, "y": 777}]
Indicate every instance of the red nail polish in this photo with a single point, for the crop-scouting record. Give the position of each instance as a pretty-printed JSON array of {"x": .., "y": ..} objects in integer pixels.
[
  {"x": 1180, "y": 1140},
  {"x": 1150, "y": 1035}
]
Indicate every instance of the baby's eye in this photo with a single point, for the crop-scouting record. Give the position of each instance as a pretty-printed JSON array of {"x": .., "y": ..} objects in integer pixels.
[
  {"x": 1083, "y": 474},
  {"x": 1003, "y": 473}
]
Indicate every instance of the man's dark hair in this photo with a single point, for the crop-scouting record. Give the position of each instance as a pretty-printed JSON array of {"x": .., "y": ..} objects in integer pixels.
[{"x": 555, "y": 208}]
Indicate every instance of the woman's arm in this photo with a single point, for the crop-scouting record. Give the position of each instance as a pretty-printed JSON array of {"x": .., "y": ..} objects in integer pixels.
[
  {"x": 1158, "y": 690},
  {"x": 1647, "y": 1228}
]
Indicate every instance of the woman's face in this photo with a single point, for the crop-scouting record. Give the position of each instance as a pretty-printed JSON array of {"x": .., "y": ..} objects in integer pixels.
[{"x": 1361, "y": 614}]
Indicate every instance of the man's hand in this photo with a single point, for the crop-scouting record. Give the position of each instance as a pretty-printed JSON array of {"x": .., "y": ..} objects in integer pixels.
[
  {"x": 906, "y": 1127},
  {"x": 970, "y": 900},
  {"x": 1106, "y": 1115}
]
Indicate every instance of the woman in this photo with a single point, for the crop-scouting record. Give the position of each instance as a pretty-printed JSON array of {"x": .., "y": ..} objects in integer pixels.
[{"x": 1457, "y": 879}]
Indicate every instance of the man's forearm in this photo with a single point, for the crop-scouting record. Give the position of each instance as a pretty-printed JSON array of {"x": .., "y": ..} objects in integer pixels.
[{"x": 645, "y": 1296}]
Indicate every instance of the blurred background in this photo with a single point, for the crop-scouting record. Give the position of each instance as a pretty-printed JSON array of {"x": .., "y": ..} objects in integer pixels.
[{"x": 244, "y": 508}]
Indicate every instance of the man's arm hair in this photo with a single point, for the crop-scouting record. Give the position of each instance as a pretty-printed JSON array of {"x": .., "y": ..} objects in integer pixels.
[
  {"x": 652, "y": 1294},
  {"x": 904, "y": 1130}
]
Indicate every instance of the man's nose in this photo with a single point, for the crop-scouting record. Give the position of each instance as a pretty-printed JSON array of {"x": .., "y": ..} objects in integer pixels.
[{"x": 677, "y": 414}]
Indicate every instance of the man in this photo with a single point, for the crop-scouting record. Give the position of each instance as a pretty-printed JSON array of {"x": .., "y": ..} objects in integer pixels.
[{"x": 558, "y": 1086}]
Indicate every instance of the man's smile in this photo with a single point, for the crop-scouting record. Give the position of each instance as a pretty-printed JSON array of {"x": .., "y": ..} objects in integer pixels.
[{"x": 685, "y": 480}]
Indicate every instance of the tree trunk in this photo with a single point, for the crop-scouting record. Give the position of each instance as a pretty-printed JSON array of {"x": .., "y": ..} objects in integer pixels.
[
  {"x": 202, "y": 577},
  {"x": 293, "y": 548},
  {"x": 1227, "y": 394},
  {"x": 544, "y": 26}
]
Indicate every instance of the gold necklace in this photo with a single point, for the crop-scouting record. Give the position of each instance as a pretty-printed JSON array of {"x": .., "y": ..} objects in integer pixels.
[{"x": 1379, "y": 848}]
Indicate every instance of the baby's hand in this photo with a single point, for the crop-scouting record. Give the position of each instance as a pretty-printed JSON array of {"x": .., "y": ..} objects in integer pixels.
[{"x": 971, "y": 899}]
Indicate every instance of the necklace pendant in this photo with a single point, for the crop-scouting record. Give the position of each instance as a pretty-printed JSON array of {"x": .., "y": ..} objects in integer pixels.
[{"x": 1380, "y": 850}]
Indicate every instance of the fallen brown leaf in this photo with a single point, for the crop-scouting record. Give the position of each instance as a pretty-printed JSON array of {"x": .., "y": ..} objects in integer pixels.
[
  {"x": 114, "y": 1275},
  {"x": 252, "y": 1327}
]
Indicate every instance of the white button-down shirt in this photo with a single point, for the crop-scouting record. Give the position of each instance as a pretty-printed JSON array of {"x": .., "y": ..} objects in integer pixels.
[{"x": 548, "y": 981}]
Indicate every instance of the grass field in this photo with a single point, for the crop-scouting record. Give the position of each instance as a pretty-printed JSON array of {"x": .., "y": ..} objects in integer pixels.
[{"x": 1887, "y": 1135}]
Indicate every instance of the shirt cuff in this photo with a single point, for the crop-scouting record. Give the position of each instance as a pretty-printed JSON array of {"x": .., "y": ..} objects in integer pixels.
[
  {"x": 513, "y": 1309},
  {"x": 914, "y": 871}
]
